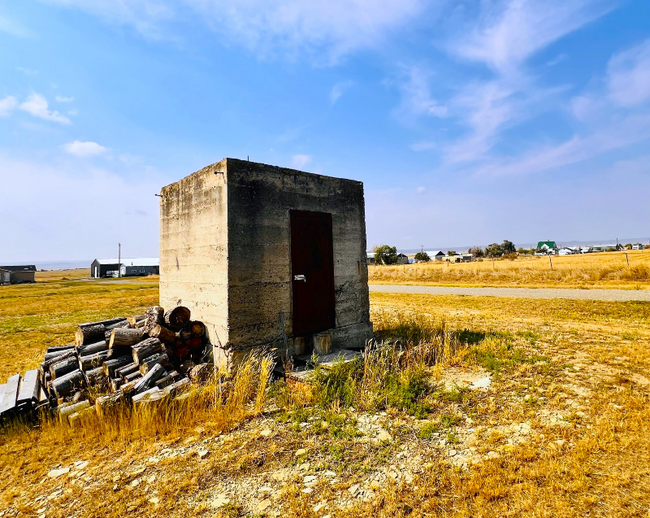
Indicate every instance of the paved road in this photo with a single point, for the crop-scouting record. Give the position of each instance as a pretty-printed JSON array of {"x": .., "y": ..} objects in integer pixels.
[{"x": 525, "y": 293}]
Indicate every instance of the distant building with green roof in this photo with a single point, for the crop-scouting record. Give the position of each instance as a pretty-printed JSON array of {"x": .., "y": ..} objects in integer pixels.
[{"x": 546, "y": 245}]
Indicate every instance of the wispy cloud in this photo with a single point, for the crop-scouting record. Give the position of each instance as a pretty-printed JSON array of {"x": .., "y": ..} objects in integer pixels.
[
  {"x": 510, "y": 32},
  {"x": 13, "y": 27},
  {"x": 27, "y": 71},
  {"x": 326, "y": 30},
  {"x": 416, "y": 93},
  {"x": 606, "y": 138},
  {"x": 84, "y": 149},
  {"x": 629, "y": 76},
  {"x": 300, "y": 161},
  {"x": 7, "y": 105},
  {"x": 37, "y": 106},
  {"x": 338, "y": 90},
  {"x": 61, "y": 99}
]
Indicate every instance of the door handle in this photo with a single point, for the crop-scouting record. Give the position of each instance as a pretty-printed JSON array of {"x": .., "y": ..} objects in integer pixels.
[{"x": 300, "y": 278}]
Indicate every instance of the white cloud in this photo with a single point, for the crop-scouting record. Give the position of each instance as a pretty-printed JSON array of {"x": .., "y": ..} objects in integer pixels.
[
  {"x": 338, "y": 90},
  {"x": 416, "y": 94},
  {"x": 27, "y": 71},
  {"x": 7, "y": 105},
  {"x": 629, "y": 76},
  {"x": 300, "y": 161},
  {"x": 509, "y": 32},
  {"x": 331, "y": 28},
  {"x": 61, "y": 99},
  {"x": 84, "y": 149},
  {"x": 37, "y": 106},
  {"x": 421, "y": 190}
]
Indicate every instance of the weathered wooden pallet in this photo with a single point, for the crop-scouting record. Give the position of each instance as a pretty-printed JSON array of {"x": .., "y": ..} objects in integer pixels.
[{"x": 20, "y": 394}]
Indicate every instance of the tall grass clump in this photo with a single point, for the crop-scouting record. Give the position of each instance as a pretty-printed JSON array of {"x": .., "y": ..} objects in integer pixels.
[{"x": 393, "y": 373}]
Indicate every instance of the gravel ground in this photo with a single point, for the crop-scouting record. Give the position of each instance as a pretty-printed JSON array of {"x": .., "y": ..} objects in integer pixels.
[{"x": 524, "y": 293}]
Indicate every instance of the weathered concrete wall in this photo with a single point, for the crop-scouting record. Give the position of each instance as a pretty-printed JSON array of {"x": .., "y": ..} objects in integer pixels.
[
  {"x": 225, "y": 250},
  {"x": 260, "y": 198},
  {"x": 194, "y": 248}
]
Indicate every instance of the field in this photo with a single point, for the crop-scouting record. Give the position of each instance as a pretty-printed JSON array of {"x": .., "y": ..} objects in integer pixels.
[
  {"x": 560, "y": 428},
  {"x": 600, "y": 270}
]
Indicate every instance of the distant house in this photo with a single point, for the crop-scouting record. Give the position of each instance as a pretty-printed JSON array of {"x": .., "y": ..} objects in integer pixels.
[
  {"x": 402, "y": 259},
  {"x": 637, "y": 246},
  {"x": 546, "y": 247},
  {"x": 436, "y": 255},
  {"x": 17, "y": 274},
  {"x": 126, "y": 268},
  {"x": 370, "y": 256},
  {"x": 567, "y": 250}
]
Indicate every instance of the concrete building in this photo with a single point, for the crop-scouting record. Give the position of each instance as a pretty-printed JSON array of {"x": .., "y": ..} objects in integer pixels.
[
  {"x": 267, "y": 255},
  {"x": 17, "y": 274},
  {"x": 436, "y": 255},
  {"x": 402, "y": 259},
  {"x": 127, "y": 267}
]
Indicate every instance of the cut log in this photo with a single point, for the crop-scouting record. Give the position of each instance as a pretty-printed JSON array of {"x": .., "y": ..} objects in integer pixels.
[
  {"x": 120, "y": 325},
  {"x": 115, "y": 384},
  {"x": 85, "y": 350},
  {"x": 128, "y": 378},
  {"x": 59, "y": 348},
  {"x": 92, "y": 361},
  {"x": 155, "y": 315},
  {"x": 177, "y": 388},
  {"x": 162, "y": 333},
  {"x": 165, "y": 382},
  {"x": 106, "y": 403},
  {"x": 93, "y": 332},
  {"x": 127, "y": 369},
  {"x": 110, "y": 366},
  {"x": 124, "y": 337},
  {"x": 95, "y": 376},
  {"x": 65, "y": 385},
  {"x": 149, "y": 395},
  {"x": 137, "y": 318},
  {"x": 140, "y": 324},
  {"x": 64, "y": 366},
  {"x": 148, "y": 381},
  {"x": 147, "y": 364},
  {"x": 119, "y": 352},
  {"x": 197, "y": 329},
  {"x": 89, "y": 334},
  {"x": 177, "y": 318},
  {"x": 67, "y": 410},
  {"x": 45, "y": 366},
  {"x": 146, "y": 348}
]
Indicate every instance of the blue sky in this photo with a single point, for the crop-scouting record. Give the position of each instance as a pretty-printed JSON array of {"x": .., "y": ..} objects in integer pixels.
[{"x": 468, "y": 121}]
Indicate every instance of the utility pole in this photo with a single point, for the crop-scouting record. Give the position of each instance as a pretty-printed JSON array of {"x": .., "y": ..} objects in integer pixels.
[{"x": 119, "y": 259}]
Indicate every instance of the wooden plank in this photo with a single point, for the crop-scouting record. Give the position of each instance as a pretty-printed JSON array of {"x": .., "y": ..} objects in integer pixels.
[
  {"x": 29, "y": 389},
  {"x": 10, "y": 394}
]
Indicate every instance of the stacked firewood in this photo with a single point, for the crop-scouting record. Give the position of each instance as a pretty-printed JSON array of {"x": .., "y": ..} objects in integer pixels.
[{"x": 142, "y": 358}]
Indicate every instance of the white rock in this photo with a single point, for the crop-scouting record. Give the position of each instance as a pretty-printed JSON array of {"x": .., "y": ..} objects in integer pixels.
[
  {"x": 452, "y": 453},
  {"x": 301, "y": 452},
  {"x": 384, "y": 436},
  {"x": 307, "y": 490},
  {"x": 266, "y": 433},
  {"x": 310, "y": 478},
  {"x": 481, "y": 383},
  {"x": 353, "y": 489},
  {"x": 219, "y": 500},
  {"x": 202, "y": 454}
]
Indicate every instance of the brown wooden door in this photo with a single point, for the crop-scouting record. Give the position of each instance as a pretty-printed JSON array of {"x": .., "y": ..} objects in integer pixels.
[{"x": 312, "y": 272}]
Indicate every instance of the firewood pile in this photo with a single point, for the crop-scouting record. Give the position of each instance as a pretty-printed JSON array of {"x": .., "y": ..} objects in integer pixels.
[{"x": 135, "y": 360}]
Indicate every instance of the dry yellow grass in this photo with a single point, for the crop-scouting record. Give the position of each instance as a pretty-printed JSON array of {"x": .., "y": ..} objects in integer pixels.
[
  {"x": 602, "y": 270},
  {"x": 564, "y": 430}
]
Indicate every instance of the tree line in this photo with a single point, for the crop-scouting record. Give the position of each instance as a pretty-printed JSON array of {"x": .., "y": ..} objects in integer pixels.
[{"x": 386, "y": 254}]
